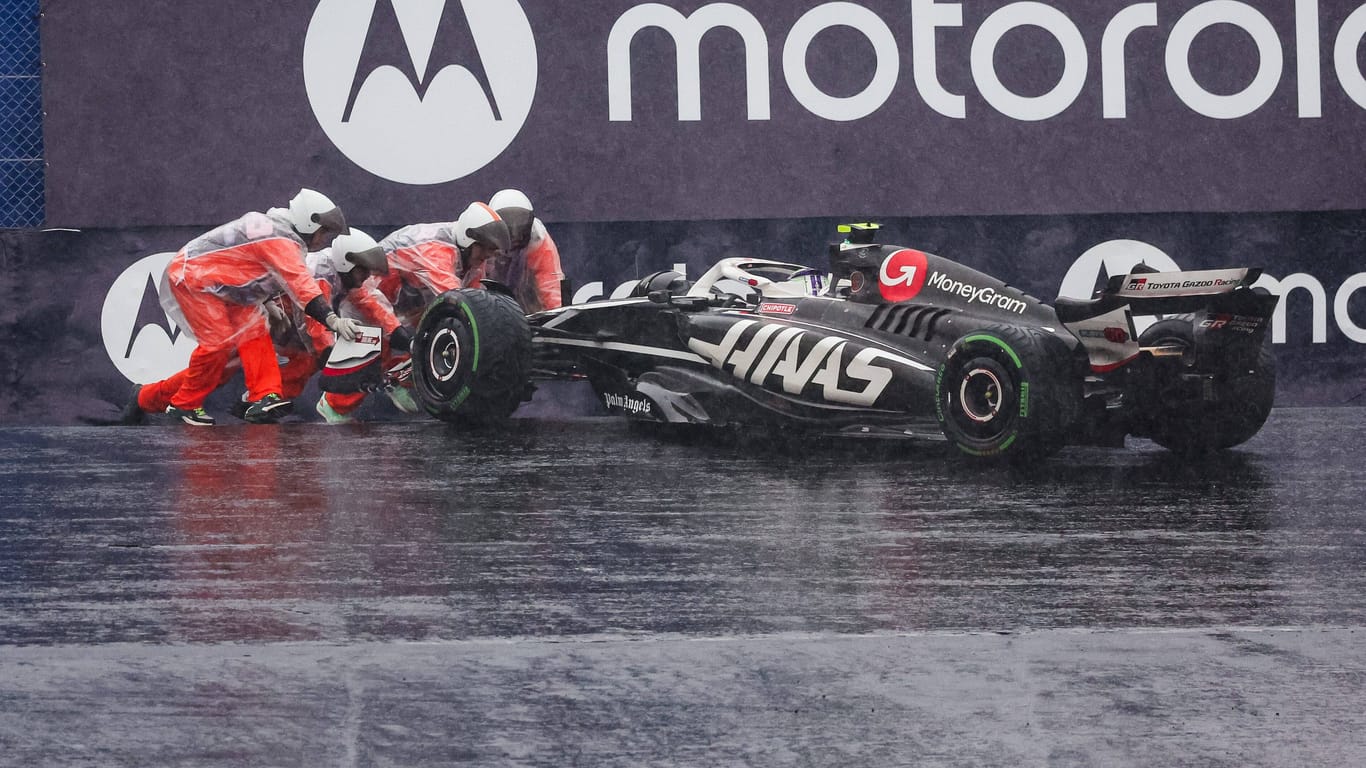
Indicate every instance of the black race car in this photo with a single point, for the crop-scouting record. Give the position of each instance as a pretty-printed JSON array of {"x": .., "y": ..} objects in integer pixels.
[{"x": 888, "y": 342}]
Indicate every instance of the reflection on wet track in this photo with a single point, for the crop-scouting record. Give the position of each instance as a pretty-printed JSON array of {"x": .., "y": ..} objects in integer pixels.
[
  {"x": 589, "y": 532},
  {"x": 415, "y": 531}
]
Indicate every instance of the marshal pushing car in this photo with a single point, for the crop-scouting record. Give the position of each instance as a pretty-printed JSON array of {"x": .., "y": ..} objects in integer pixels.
[{"x": 886, "y": 342}]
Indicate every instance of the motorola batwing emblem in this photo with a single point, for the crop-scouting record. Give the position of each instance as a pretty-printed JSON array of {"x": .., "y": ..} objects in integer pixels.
[
  {"x": 141, "y": 340},
  {"x": 420, "y": 91}
]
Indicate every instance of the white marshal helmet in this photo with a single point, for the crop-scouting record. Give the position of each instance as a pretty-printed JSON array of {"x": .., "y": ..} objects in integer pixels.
[
  {"x": 355, "y": 248},
  {"x": 481, "y": 224},
  {"x": 509, "y": 198},
  {"x": 515, "y": 208},
  {"x": 310, "y": 211}
]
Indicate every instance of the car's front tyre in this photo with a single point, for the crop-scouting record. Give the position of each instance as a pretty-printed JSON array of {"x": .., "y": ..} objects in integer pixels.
[{"x": 471, "y": 357}]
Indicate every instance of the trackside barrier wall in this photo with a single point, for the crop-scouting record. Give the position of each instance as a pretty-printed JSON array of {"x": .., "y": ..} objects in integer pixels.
[
  {"x": 69, "y": 355},
  {"x": 1046, "y": 143}
]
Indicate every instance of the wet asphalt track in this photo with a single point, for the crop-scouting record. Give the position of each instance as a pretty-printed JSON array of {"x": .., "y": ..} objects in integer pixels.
[{"x": 577, "y": 594}]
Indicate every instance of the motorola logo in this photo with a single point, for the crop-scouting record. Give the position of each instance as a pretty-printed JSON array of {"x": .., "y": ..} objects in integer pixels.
[
  {"x": 934, "y": 30},
  {"x": 420, "y": 91},
  {"x": 1098, "y": 264},
  {"x": 142, "y": 341}
]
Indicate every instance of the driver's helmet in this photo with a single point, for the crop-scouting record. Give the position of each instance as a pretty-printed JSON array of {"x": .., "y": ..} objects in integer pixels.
[
  {"x": 668, "y": 280},
  {"x": 514, "y": 207},
  {"x": 481, "y": 224},
  {"x": 311, "y": 211},
  {"x": 355, "y": 248}
]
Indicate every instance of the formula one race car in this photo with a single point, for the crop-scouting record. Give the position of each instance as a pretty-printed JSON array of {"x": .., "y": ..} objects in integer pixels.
[{"x": 889, "y": 342}]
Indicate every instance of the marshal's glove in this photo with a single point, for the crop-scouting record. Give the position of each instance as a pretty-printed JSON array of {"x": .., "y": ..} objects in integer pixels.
[
  {"x": 345, "y": 328},
  {"x": 275, "y": 313},
  {"x": 401, "y": 340}
]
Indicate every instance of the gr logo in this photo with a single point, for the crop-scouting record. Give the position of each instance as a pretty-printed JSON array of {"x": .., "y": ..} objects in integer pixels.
[
  {"x": 143, "y": 343},
  {"x": 420, "y": 91}
]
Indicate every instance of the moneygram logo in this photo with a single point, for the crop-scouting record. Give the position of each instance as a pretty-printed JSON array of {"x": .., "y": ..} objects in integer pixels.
[
  {"x": 902, "y": 275},
  {"x": 142, "y": 341},
  {"x": 420, "y": 91}
]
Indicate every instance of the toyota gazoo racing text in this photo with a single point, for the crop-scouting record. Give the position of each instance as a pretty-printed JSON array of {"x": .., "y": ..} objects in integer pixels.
[{"x": 889, "y": 342}]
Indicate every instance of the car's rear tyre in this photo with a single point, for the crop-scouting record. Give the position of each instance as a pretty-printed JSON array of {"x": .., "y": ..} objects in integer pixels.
[
  {"x": 1007, "y": 393},
  {"x": 471, "y": 357},
  {"x": 1244, "y": 398}
]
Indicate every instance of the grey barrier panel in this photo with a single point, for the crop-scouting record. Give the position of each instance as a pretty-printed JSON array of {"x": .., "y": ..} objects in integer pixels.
[{"x": 59, "y": 364}]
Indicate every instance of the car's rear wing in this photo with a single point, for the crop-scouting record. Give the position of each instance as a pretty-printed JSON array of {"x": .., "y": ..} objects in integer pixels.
[
  {"x": 1167, "y": 293},
  {"x": 1138, "y": 286}
]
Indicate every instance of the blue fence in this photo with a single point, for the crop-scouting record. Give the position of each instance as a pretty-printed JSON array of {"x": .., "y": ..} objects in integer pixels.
[{"x": 21, "y": 115}]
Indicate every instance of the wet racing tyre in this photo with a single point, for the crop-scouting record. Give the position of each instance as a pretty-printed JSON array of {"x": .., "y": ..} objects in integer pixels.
[
  {"x": 1009, "y": 393},
  {"x": 1241, "y": 397},
  {"x": 471, "y": 357}
]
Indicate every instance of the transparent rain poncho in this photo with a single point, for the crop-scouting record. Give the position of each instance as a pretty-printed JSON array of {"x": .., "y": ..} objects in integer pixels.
[
  {"x": 216, "y": 286},
  {"x": 423, "y": 264},
  {"x": 532, "y": 272},
  {"x": 364, "y": 303}
]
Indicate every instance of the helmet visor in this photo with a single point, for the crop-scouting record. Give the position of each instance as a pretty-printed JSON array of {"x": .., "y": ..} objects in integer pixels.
[
  {"x": 519, "y": 225},
  {"x": 372, "y": 259},
  {"x": 493, "y": 235},
  {"x": 332, "y": 222}
]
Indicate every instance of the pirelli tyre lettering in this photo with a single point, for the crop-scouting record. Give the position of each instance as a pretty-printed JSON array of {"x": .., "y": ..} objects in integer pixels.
[
  {"x": 1006, "y": 391},
  {"x": 471, "y": 357}
]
